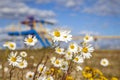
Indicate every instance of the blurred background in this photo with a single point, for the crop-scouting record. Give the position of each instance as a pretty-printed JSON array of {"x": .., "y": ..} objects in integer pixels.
[{"x": 100, "y": 18}]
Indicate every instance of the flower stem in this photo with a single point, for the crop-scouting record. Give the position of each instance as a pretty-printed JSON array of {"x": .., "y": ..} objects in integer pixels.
[
  {"x": 37, "y": 67},
  {"x": 68, "y": 71},
  {"x": 11, "y": 72},
  {"x": 22, "y": 74}
]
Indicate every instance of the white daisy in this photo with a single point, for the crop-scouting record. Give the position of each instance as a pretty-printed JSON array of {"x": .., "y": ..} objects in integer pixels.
[
  {"x": 64, "y": 65},
  {"x": 53, "y": 59},
  {"x": 78, "y": 59},
  {"x": 68, "y": 55},
  {"x": 41, "y": 68},
  {"x": 73, "y": 47},
  {"x": 23, "y": 54},
  {"x": 88, "y": 38},
  {"x": 59, "y": 50},
  {"x": 104, "y": 62},
  {"x": 86, "y": 51},
  {"x": 23, "y": 64},
  {"x": 10, "y": 45},
  {"x": 30, "y": 40},
  {"x": 78, "y": 68},
  {"x": 57, "y": 35},
  {"x": 66, "y": 36},
  {"x": 29, "y": 75},
  {"x": 57, "y": 62},
  {"x": 14, "y": 59}
]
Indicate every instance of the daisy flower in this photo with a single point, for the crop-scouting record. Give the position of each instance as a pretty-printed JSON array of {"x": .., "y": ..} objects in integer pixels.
[
  {"x": 14, "y": 59},
  {"x": 64, "y": 66},
  {"x": 78, "y": 59},
  {"x": 57, "y": 62},
  {"x": 23, "y": 54},
  {"x": 66, "y": 36},
  {"x": 10, "y": 45},
  {"x": 68, "y": 55},
  {"x": 53, "y": 59},
  {"x": 86, "y": 51},
  {"x": 78, "y": 68},
  {"x": 29, "y": 75},
  {"x": 30, "y": 40},
  {"x": 23, "y": 64},
  {"x": 73, "y": 47},
  {"x": 57, "y": 35},
  {"x": 104, "y": 62},
  {"x": 88, "y": 38},
  {"x": 41, "y": 68},
  {"x": 59, "y": 50}
]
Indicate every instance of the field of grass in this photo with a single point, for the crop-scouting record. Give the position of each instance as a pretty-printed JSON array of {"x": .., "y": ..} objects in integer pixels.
[{"x": 112, "y": 55}]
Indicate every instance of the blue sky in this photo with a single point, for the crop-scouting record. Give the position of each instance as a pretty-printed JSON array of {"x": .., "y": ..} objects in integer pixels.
[{"x": 98, "y": 17}]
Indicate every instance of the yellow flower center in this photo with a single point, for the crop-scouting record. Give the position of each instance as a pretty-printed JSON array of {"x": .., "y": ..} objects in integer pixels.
[
  {"x": 21, "y": 64},
  {"x": 30, "y": 76},
  {"x": 76, "y": 59},
  {"x": 41, "y": 69},
  {"x": 59, "y": 50},
  {"x": 13, "y": 59},
  {"x": 11, "y": 45},
  {"x": 85, "y": 50},
  {"x": 104, "y": 62},
  {"x": 86, "y": 37},
  {"x": 69, "y": 53},
  {"x": 23, "y": 54},
  {"x": 57, "y": 62},
  {"x": 72, "y": 46},
  {"x": 65, "y": 36},
  {"x": 57, "y": 33},
  {"x": 48, "y": 79},
  {"x": 30, "y": 40},
  {"x": 63, "y": 66}
]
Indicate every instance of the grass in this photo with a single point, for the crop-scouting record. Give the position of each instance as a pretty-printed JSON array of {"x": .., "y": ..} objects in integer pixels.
[{"x": 112, "y": 55}]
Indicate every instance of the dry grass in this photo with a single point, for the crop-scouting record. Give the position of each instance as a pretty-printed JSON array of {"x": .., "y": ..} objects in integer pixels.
[{"x": 111, "y": 55}]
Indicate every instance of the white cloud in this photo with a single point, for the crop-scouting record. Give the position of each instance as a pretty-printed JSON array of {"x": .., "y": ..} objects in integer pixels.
[
  {"x": 16, "y": 9},
  {"x": 97, "y": 7},
  {"x": 74, "y": 4},
  {"x": 43, "y": 1},
  {"x": 104, "y": 7}
]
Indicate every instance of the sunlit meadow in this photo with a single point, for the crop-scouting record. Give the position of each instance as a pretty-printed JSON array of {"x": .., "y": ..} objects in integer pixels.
[{"x": 58, "y": 62}]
